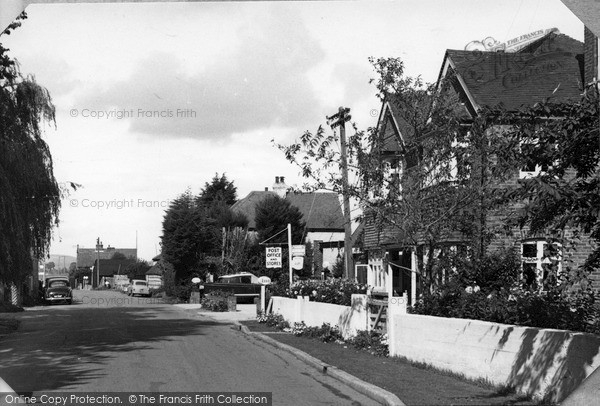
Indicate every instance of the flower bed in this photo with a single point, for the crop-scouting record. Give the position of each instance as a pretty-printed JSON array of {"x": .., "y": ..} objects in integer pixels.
[{"x": 371, "y": 341}]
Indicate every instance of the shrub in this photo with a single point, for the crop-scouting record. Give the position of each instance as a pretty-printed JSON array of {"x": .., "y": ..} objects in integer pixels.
[
  {"x": 336, "y": 291},
  {"x": 494, "y": 293},
  {"x": 217, "y": 300},
  {"x": 370, "y": 341},
  {"x": 274, "y": 320},
  {"x": 182, "y": 292}
]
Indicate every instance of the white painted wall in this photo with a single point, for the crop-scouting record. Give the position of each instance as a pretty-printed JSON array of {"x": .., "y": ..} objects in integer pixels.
[
  {"x": 541, "y": 362},
  {"x": 348, "y": 318}
]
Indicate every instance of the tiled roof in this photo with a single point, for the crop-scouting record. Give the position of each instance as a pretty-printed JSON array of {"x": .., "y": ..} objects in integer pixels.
[
  {"x": 320, "y": 211},
  {"x": 588, "y": 11},
  {"x": 87, "y": 256},
  {"x": 155, "y": 270},
  {"x": 110, "y": 267},
  {"x": 247, "y": 205},
  {"x": 515, "y": 80}
]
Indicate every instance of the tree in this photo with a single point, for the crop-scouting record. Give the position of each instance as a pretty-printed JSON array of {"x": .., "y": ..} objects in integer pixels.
[
  {"x": 137, "y": 269},
  {"x": 183, "y": 235},
  {"x": 29, "y": 193},
  {"x": 219, "y": 189},
  {"x": 193, "y": 227},
  {"x": 118, "y": 256},
  {"x": 273, "y": 214},
  {"x": 428, "y": 184}
]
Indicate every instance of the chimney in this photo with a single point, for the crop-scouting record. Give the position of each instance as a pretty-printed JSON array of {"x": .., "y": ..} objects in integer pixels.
[{"x": 279, "y": 186}]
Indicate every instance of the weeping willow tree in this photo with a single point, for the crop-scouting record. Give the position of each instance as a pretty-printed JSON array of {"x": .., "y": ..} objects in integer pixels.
[{"x": 29, "y": 193}]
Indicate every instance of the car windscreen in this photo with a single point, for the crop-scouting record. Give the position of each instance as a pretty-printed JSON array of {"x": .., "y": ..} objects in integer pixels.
[{"x": 57, "y": 284}]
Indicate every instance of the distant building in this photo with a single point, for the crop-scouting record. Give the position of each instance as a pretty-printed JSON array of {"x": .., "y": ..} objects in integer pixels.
[
  {"x": 320, "y": 210},
  {"x": 87, "y": 256}
]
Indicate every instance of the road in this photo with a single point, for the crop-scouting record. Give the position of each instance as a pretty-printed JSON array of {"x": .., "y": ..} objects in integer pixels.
[{"x": 108, "y": 342}]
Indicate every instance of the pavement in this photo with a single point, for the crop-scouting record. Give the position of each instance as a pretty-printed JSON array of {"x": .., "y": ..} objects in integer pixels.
[{"x": 248, "y": 312}]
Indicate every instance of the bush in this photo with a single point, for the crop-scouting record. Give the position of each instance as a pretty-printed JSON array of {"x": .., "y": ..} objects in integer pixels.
[
  {"x": 274, "y": 320},
  {"x": 494, "y": 293},
  {"x": 336, "y": 291},
  {"x": 370, "y": 341},
  {"x": 182, "y": 292},
  {"x": 217, "y": 300}
]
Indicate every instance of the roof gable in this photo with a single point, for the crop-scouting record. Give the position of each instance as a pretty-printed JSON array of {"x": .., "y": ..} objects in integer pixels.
[
  {"x": 515, "y": 79},
  {"x": 588, "y": 11}
]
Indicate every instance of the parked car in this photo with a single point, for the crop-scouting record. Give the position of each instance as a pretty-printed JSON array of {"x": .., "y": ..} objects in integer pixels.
[
  {"x": 245, "y": 286},
  {"x": 58, "y": 289},
  {"x": 138, "y": 287}
]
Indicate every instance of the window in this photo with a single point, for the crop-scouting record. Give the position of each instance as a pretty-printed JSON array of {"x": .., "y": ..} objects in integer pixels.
[
  {"x": 541, "y": 262},
  {"x": 531, "y": 168},
  {"x": 57, "y": 284},
  {"x": 140, "y": 283}
]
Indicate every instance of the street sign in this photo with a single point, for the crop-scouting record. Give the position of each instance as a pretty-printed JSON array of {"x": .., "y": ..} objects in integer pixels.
[
  {"x": 298, "y": 250},
  {"x": 298, "y": 263},
  {"x": 273, "y": 257},
  {"x": 265, "y": 280}
]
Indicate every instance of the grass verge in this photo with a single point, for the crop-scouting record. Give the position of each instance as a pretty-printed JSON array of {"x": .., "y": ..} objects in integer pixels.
[{"x": 413, "y": 383}]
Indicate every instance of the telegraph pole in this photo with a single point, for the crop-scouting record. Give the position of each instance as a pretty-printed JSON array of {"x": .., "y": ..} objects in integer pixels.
[
  {"x": 339, "y": 120},
  {"x": 289, "y": 234}
]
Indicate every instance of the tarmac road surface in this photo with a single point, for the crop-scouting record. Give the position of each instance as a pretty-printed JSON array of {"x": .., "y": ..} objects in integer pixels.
[{"x": 108, "y": 342}]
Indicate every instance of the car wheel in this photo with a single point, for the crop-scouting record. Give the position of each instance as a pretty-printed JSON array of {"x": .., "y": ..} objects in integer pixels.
[{"x": 70, "y": 301}]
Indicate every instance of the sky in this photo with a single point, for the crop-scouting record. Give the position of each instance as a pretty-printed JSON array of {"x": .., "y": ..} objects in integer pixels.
[{"x": 153, "y": 99}]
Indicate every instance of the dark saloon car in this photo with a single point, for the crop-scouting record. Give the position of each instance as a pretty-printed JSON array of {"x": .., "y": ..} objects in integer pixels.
[
  {"x": 245, "y": 286},
  {"x": 58, "y": 290}
]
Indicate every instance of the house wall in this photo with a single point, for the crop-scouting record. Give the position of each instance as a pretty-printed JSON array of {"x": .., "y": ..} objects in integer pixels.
[{"x": 541, "y": 362}]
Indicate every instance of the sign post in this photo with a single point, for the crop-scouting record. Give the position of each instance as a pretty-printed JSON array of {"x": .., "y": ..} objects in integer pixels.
[
  {"x": 264, "y": 281},
  {"x": 289, "y": 227},
  {"x": 273, "y": 257}
]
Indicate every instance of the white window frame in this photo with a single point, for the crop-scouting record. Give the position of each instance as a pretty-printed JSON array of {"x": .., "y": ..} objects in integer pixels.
[{"x": 539, "y": 260}]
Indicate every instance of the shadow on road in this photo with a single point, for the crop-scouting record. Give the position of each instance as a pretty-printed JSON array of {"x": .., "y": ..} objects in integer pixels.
[{"x": 60, "y": 348}]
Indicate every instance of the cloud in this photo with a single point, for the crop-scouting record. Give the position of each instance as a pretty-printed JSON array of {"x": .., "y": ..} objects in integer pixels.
[{"x": 260, "y": 84}]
